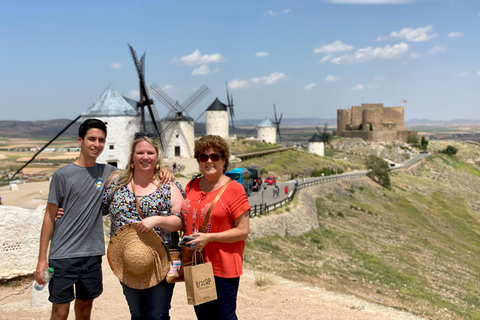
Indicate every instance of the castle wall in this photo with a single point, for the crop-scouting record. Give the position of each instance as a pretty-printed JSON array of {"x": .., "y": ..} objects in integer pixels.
[
  {"x": 343, "y": 118},
  {"x": 395, "y": 115},
  {"x": 387, "y": 123}
]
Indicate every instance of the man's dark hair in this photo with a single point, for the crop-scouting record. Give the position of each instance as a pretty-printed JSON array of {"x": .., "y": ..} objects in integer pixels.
[{"x": 89, "y": 124}]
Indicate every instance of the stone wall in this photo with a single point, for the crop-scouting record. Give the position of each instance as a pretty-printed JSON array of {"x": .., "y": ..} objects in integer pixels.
[
  {"x": 20, "y": 238},
  {"x": 300, "y": 220}
]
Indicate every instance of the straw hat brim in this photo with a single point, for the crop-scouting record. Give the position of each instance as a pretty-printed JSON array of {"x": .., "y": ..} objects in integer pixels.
[{"x": 140, "y": 260}]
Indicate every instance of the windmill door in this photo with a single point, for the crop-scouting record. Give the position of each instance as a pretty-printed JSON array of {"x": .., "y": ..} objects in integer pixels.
[{"x": 177, "y": 151}]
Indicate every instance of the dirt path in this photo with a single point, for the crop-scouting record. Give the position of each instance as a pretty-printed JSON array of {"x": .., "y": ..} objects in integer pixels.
[{"x": 283, "y": 300}]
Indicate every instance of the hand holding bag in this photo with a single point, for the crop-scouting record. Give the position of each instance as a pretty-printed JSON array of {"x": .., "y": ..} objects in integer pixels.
[{"x": 200, "y": 283}]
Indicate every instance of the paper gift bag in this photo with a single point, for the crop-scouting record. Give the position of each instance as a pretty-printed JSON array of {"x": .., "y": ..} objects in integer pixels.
[{"x": 200, "y": 283}]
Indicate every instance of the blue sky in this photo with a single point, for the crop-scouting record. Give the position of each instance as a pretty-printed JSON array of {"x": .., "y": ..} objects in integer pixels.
[{"x": 310, "y": 58}]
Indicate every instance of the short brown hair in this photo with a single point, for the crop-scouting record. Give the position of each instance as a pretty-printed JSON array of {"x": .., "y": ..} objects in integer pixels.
[{"x": 215, "y": 142}]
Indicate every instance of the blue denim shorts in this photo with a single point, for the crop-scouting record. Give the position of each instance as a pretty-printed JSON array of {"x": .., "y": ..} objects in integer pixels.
[{"x": 84, "y": 273}]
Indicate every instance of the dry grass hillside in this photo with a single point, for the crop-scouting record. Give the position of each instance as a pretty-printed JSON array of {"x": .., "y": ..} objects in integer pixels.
[{"x": 413, "y": 248}]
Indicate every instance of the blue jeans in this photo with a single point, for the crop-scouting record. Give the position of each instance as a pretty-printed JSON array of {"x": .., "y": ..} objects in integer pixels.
[
  {"x": 225, "y": 307},
  {"x": 150, "y": 304}
]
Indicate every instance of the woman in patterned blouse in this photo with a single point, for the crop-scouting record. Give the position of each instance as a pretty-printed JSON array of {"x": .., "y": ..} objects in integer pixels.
[{"x": 159, "y": 203}]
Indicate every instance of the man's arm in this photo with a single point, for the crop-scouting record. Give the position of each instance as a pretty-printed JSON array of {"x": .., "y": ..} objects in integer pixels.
[{"x": 45, "y": 236}]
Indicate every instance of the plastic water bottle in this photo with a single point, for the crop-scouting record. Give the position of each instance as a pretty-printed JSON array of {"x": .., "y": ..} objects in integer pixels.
[{"x": 47, "y": 275}]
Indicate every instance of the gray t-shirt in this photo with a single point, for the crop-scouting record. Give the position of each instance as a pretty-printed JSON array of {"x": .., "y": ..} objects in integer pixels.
[{"x": 79, "y": 191}]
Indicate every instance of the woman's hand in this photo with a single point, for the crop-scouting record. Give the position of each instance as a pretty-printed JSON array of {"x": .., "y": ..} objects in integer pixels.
[
  {"x": 147, "y": 224},
  {"x": 202, "y": 239},
  {"x": 165, "y": 176}
]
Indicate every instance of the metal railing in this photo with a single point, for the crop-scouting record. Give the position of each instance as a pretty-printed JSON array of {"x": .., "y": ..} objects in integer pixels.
[{"x": 261, "y": 208}]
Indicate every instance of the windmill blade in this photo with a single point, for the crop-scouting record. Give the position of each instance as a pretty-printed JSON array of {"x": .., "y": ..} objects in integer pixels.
[
  {"x": 278, "y": 130},
  {"x": 250, "y": 131},
  {"x": 195, "y": 129},
  {"x": 166, "y": 128},
  {"x": 163, "y": 97},
  {"x": 29, "y": 161},
  {"x": 140, "y": 66},
  {"x": 195, "y": 98},
  {"x": 275, "y": 111},
  {"x": 200, "y": 116},
  {"x": 230, "y": 105}
]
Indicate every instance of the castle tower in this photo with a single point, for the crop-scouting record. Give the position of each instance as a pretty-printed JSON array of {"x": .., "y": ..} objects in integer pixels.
[
  {"x": 266, "y": 131},
  {"x": 216, "y": 119},
  {"x": 122, "y": 122},
  {"x": 343, "y": 119},
  {"x": 316, "y": 145}
]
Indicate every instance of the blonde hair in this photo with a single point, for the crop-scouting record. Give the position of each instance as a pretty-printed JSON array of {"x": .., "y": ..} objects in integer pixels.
[{"x": 126, "y": 175}]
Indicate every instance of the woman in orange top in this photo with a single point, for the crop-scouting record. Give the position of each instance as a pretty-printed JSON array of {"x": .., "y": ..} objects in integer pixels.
[{"x": 227, "y": 228}]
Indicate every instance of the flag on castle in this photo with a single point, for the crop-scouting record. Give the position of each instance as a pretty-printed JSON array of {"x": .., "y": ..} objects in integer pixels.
[{"x": 404, "y": 101}]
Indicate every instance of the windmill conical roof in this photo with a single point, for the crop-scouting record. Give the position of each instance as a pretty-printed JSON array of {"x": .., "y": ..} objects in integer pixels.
[
  {"x": 316, "y": 138},
  {"x": 111, "y": 103},
  {"x": 217, "y": 106},
  {"x": 266, "y": 123}
]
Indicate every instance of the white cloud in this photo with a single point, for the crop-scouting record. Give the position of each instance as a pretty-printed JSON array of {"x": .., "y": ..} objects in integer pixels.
[
  {"x": 478, "y": 73},
  {"x": 310, "y": 86},
  {"x": 268, "y": 80},
  {"x": 326, "y": 58},
  {"x": 370, "y": 1},
  {"x": 196, "y": 58},
  {"x": 371, "y": 54},
  {"x": 412, "y": 35},
  {"x": 455, "y": 34},
  {"x": 337, "y": 46},
  {"x": 201, "y": 71},
  {"x": 134, "y": 94},
  {"x": 436, "y": 49},
  {"x": 239, "y": 84},
  {"x": 274, "y": 78},
  {"x": 262, "y": 54},
  {"x": 273, "y": 14},
  {"x": 116, "y": 65},
  {"x": 286, "y": 11},
  {"x": 414, "y": 55},
  {"x": 359, "y": 87},
  {"x": 331, "y": 78},
  {"x": 463, "y": 74}
]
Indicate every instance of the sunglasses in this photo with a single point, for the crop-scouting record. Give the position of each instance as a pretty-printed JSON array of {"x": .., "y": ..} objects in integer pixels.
[
  {"x": 203, "y": 157},
  {"x": 143, "y": 134}
]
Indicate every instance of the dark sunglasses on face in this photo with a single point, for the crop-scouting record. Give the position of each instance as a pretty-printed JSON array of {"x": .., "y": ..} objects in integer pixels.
[
  {"x": 203, "y": 157},
  {"x": 143, "y": 134}
]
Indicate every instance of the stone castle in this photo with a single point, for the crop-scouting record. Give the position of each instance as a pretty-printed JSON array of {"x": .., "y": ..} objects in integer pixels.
[{"x": 373, "y": 122}]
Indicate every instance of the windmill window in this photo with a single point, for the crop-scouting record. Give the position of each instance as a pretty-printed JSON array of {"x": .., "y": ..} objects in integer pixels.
[
  {"x": 176, "y": 136},
  {"x": 111, "y": 147}
]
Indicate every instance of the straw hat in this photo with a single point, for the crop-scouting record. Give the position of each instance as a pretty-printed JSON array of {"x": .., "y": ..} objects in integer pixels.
[{"x": 139, "y": 259}]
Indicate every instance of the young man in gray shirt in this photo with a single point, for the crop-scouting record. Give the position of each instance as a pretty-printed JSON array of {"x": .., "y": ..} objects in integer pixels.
[{"x": 77, "y": 241}]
